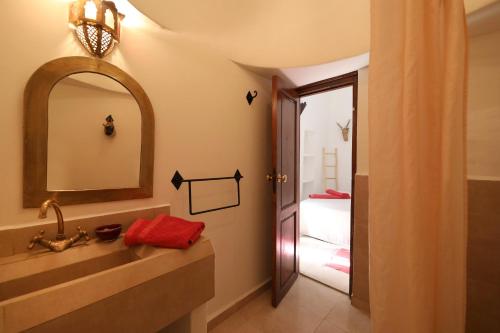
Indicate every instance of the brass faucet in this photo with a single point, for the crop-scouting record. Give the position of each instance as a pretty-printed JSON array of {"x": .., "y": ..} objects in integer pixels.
[{"x": 61, "y": 243}]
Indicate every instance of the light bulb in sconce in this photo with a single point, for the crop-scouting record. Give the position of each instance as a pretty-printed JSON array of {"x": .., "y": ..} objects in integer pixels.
[
  {"x": 96, "y": 24},
  {"x": 90, "y": 10}
]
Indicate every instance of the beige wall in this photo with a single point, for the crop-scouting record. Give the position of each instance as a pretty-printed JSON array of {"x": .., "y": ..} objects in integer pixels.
[
  {"x": 318, "y": 131},
  {"x": 204, "y": 128},
  {"x": 484, "y": 106},
  {"x": 362, "y": 143}
]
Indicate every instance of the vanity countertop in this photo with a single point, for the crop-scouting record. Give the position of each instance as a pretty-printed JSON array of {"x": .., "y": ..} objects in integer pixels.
[
  {"x": 100, "y": 270},
  {"x": 44, "y": 291}
]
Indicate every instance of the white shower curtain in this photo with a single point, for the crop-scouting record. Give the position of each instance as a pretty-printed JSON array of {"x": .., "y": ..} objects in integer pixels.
[{"x": 417, "y": 182}]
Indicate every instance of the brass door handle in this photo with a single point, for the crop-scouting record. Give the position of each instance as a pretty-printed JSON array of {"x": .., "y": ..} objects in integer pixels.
[
  {"x": 281, "y": 178},
  {"x": 269, "y": 178}
]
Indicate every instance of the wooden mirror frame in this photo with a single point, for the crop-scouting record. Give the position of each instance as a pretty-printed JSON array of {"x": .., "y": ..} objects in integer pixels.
[{"x": 36, "y": 104}]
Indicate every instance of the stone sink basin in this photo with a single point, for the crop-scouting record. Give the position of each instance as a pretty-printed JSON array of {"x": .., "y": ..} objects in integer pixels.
[{"x": 104, "y": 286}]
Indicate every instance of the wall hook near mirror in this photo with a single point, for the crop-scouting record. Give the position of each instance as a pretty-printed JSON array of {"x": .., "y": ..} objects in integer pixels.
[
  {"x": 251, "y": 97},
  {"x": 109, "y": 127},
  {"x": 177, "y": 181}
]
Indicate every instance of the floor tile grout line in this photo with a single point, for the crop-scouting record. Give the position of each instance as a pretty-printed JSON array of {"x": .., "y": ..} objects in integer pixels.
[
  {"x": 327, "y": 321},
  {"x": 324, "y": 318}
]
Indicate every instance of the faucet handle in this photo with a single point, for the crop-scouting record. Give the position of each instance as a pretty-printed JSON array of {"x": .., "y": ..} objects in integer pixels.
[
  {"x": 36, "y": 239},
  {"x": 83, "y": 233}
]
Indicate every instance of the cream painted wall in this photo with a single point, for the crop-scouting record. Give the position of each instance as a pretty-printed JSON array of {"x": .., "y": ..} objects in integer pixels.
[
  {"x": 362, "y": 143},
  {"x": 484, "y": 107},
  {"x": 341, "y": 112},
  {"x": 318, "y": 127},
  {"x": 204, "y": 128}
]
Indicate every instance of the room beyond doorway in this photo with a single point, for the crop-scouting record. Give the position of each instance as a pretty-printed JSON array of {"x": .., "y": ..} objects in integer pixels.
[{"x": 327, "y": 169}]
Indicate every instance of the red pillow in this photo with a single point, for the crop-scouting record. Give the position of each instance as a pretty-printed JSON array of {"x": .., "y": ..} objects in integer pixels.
[
  {"x": 337, "y": 194},
  {"x": 322, "y": 196}
]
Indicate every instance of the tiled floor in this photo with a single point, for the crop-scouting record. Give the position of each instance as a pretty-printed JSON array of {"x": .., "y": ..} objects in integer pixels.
[{"x": 308, "y": 307}]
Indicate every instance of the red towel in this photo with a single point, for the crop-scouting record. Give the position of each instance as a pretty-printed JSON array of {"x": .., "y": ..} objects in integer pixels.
[
  {"x": 339, "y": 195},
  {"x": 132, "y": 234},
  {"x": 164, "y": 231},
  {"x": 322, "y": 196}
]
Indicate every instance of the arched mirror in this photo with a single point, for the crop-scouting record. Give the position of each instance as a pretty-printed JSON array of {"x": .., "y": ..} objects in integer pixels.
[{"x": 89, "y": 134}]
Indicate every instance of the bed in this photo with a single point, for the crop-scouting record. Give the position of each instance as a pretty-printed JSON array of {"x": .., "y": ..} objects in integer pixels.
[{"x": 326, "y": 219}]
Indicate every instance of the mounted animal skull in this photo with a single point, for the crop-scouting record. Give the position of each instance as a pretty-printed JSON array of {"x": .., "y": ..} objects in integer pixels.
[{"x": 345, "y": 130}]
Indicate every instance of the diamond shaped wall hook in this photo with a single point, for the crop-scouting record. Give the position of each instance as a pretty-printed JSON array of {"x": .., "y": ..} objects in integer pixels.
[
  {"x": 237, "y": 175},
  {"x": 177, "y": 180},
  {"x": 250, "y": 97}
]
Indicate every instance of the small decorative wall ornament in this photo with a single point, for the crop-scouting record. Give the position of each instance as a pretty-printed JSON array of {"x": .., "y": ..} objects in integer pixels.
[
  {"x": 96, "y": 24},
  {"x": 302, "y": 106},
  {"x": 109, "y": 127},
  {"x": 250, "y": 97},
  {"x": 345, "y": 130}
]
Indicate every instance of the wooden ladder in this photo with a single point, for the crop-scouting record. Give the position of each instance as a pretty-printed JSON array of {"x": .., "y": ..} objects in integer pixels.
[{"x": 329, "y": 163}]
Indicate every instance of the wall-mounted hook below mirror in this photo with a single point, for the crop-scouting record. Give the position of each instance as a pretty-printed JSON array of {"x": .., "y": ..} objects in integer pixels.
[
  {"x": 109, "y": 127},
  {"x": 250, "y": 97}
]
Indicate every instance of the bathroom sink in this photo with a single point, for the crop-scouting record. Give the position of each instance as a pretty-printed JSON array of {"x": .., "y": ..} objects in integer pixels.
[
  {"x": 41, "y": 290},
  {"x": 20, "y": 284}
]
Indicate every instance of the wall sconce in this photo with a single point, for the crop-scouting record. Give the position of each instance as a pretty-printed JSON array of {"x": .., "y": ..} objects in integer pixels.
[{"x": 96, "y": 24}]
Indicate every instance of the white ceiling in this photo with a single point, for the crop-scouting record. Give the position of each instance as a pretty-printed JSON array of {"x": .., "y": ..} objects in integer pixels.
[
  {"x": 269, "y": 33},
  {"x": 300, "y": 76},
  {"x": 273, "y": 33},
  {"x": 481, "y": 21}
]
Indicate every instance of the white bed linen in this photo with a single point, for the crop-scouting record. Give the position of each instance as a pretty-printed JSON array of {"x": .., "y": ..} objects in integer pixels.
[{"x": 326, "y": 219}]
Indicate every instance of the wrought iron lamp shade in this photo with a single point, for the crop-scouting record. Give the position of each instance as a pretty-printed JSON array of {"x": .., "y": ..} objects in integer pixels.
[{"x": 96, "y": 24}]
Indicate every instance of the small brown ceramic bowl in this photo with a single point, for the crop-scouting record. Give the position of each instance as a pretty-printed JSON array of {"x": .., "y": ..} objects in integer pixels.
[{"x": 108, "y": 232}]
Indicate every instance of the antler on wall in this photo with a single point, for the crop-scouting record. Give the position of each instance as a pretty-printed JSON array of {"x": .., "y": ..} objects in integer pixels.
[{"x": 345, "y": 130}]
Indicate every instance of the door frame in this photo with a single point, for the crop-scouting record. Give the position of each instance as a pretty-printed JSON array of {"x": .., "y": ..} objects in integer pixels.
[{"x": 334, "y": 83}]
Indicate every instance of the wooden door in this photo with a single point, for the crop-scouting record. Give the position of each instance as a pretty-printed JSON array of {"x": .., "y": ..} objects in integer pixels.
[{"x": 286, "y": 196}]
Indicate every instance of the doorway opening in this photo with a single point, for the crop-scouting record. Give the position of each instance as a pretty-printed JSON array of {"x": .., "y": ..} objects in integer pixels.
[
  {"x": 327, "y": 170},
  {"x": 286, "y": 109}
]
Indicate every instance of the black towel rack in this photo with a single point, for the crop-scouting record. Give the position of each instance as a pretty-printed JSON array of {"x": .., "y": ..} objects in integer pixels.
[{"x": 177, "y": 181}]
